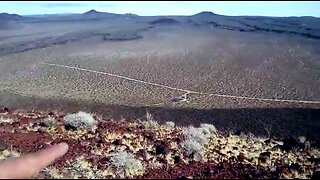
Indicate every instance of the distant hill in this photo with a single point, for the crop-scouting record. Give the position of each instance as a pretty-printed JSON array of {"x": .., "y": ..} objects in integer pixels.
[
  {"x": 164, "y": 21},
  {"x": 92, "y": 12},
  {"x": 131, "y": 15},
  {"x": 96, "y": 14},
  {"x": 305, "y": 26},
  {"x": 6, "y": 20},
  {"x": 205, "y": 13},
  {"x": 10, "y": 17}
]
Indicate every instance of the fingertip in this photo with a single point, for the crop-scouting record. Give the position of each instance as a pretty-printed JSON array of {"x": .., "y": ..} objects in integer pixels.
[
  {"x": 63, "y": 147},
  {"x": 29, "y": 164}
]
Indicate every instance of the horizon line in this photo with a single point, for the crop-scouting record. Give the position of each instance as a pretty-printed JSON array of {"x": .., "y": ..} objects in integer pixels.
[{"x": 148, "y": 15}]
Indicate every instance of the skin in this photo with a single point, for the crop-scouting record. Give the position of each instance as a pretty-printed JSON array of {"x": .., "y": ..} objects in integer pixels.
[{"x": 29, "y": 165}]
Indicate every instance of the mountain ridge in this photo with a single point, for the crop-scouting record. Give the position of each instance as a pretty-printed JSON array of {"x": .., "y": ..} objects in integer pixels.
[{"x": 208, "y": 13}]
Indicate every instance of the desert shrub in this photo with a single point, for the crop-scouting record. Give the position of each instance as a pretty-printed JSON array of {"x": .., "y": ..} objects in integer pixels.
[
  {"x": 49, "y": 122},
  {"x": 8, "y": 154},
  {"x": 198, "y": 134},
  {"x": 77, "y": 167},
  {"x": 124, "y": 162},
  {"x": 170, "y": 124},
  {"x": 149, "y": 116},
  {"x": 53, "y": 172},
  {"x": 150, "y": 122},
  {"x": 211, "y": 128},
  {"x": 80, "y": 120},
  {"x": 302, "y": 139},
  {"x": 195, "y": 138},
  {"x": 5, "y": 120},
  {"x": 191, "y": 146}
]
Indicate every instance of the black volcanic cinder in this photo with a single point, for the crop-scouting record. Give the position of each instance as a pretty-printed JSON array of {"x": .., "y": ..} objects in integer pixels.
[
  {"x": 316, "y": 175},
  {"x": 161, "y": 147}
]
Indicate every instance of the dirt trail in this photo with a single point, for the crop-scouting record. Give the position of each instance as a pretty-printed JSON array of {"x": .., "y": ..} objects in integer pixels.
[{"x": 184, "y": 90}]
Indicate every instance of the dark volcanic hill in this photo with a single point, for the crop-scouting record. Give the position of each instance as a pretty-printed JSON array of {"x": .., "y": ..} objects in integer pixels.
[
  {"x": 7, "y": 21},
  {"x": 10, "y": 17},
  {"x": 164, "y": 21},
  {"x": 93, "y": 14},
  {"x": 205, "y": 14},
  {"x": 305, "y": 26},
  {"x": 129, "y": 26}
]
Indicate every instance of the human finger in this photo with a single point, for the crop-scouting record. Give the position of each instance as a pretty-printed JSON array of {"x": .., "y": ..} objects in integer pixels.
[{"x": 30, "y": 164}]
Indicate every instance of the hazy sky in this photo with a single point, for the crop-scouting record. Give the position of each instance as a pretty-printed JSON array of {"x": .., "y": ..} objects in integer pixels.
[{"x": 261, "y": 8}]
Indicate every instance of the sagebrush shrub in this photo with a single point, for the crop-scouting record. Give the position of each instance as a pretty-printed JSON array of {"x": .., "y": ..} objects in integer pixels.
[
  {"x": 191, "y": 146},
  {"x": 170, "y": 124},
  {"x": 195, "y": 138},
  {"x": 150, "y": 122},
  {"x": 124, "y": 162},
  {"x": 49, "y": 122},
  {"x": 80, "y": 120},
  {"x": 209, "y": 127}
]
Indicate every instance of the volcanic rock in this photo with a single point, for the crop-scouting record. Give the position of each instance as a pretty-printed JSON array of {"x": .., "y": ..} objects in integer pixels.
[{"x": 161, "y": 147}]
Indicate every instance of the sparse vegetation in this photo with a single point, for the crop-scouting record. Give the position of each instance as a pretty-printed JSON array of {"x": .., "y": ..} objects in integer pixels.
[
  {"x": 125, "y": 164},
  {"x": 191, "y": 146},
  {"x": 170, "y": 124},
  {"x": 80, "y": 120},
  {"x": 8, "y": 154},
  {"x": 127, "y": 150},
  {"x": 49, "y": 121},
  {"x": 211, "y": 128},
  {"x": 5, "y": 120},
  {"x": 195, "y": 138},
  {"x": 149, "y": 122}
]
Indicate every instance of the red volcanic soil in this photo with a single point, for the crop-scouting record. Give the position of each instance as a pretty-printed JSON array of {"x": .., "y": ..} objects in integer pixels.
[{"x": 156, "y": 149}]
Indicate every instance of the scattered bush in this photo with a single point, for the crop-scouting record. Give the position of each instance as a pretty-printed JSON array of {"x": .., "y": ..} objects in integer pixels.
[
  {"x": 80, "y": 120},
  {"x": 53, "y": 172},
  {"x": 170, "y": 124},
  {"x": 302, "y": 139},
  {"x": 49, "y": 122},
  {"x": 124, "y": 162},
  {"x": 211, "y": 128},
  {"x": 195, "y": 138},
  {"x": 5, "y": 120},
  {"x": 191, "y": 146},
  {"x": 149, "y": 116},
  {"x": 150, "y": 122},
  {"x": 8, "y": 154},
  {"x": 198, "y": 134}
]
